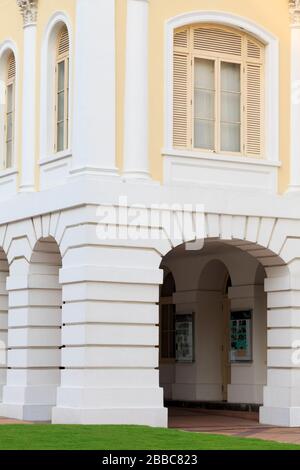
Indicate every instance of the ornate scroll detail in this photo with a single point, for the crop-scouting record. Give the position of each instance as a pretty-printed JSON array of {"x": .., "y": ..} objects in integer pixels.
[
  {"x": 294, "y": 6},
  {"x": 29, "y": 9}
]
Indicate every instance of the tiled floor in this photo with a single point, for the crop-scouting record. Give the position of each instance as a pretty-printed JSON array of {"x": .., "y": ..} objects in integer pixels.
[
  {"x": 12, "y": 421},
  {"x": 229, "y": 423}
]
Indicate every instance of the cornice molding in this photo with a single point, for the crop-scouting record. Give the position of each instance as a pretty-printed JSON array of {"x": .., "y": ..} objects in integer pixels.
[
  {"x": 29, "y": 10},
  {"x": 294, "y": 7}
]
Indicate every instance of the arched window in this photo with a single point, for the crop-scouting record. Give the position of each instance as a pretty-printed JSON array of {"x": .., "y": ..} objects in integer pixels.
[
  {"x": 218, "y": 92},
  {"x": 9, "y": 115},
  {"x": 62, "y": 91}
]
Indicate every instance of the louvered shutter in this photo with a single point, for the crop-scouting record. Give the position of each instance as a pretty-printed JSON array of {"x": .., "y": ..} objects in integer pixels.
[
  {"x": 254, "y": 107},
  {"x": 225, "y": 44},
  {"x": 181, "y": 92},
  {"x": 63, "y": 43},
  {"x": 11, "y": 67},
  {"x": 216, "y": 40}
]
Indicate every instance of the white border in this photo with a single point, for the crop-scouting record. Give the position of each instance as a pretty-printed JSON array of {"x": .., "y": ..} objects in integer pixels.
[
  {"x": 272, "y": 73},
  {"x": 5, "y": 47},
  {"x": 47, "y": 84}
]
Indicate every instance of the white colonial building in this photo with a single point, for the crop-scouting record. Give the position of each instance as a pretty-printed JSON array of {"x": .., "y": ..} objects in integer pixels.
[{"x": 149, "y": 208}]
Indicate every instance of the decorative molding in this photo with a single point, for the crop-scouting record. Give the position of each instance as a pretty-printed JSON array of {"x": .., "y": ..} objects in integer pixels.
[
  {"x": 271, "y": 79},
  {"x": 29, "y": 10},
  {"x": 294, "y": 8},
  {"x": 47, "y": 92}
]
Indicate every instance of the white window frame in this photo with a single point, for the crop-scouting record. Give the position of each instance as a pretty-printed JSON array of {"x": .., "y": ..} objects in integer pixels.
[
  {"x": 6, "y": 48},
  {"x": 48, "y": 89},
  {"x": 271, "y": 125},
  {"x": 64, "y": 58},
  {"x": 10, "y": 83}
]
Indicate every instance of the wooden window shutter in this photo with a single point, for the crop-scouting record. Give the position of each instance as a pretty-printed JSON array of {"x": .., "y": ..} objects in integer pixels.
[
  {"x": 181, "y": 92},
  {"x": 11, "y": 67},
  {"x": 254, "y": 104},
  {"x": 63, "y": 43},
  {"x": 218, "y": 41}
]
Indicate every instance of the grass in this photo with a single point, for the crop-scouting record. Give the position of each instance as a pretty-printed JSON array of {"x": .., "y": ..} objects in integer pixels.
[{"x": 53, "y": 437}]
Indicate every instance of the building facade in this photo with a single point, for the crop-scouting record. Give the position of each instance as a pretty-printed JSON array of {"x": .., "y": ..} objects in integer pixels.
[{"x": 149, "y": 208}]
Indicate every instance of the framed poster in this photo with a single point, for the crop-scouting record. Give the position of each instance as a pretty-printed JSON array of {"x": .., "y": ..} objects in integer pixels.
[
  {"x": 241, "y": 336},
  {"x": 184, "y": 337}
]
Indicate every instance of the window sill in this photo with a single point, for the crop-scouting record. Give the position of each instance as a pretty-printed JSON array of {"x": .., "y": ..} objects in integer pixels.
[
  {"x": 217, "y": 170},
  {"x": 8, "y": 172},
  {"x": 220, "y": 157},
  {"x": 55, "y": 169},
  {"x": 8, "y": 183},
  {"x": 56, "y": 157}
]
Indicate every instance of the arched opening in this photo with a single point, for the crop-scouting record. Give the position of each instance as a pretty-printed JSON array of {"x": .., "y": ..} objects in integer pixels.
[
  {"x": 45, "y": 338},
  {"x": 219, "y": 328},
  {"x": 4, "y": 271}
]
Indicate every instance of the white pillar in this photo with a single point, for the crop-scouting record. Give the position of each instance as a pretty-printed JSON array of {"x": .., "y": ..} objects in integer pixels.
[
  {"x": 282, "y": 393},
  {"x": 136, "y": 164},
  {"x": 295, "y": 96},
  {"x": 29, "y": 12},
  {"x": 94, "y": 89}
]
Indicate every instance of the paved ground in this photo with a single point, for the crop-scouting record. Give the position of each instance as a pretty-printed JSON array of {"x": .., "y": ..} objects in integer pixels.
[
  {"x": 230, "y": 423},
  {"x": 12, "y": 421}
]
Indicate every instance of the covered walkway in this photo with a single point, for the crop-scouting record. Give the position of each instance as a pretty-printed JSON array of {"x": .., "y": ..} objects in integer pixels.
[{"x": 230, "y": 423}]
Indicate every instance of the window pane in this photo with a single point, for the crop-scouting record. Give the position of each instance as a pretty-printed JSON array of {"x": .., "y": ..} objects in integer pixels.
[
  {"x": 9, "y": 127},
  {"x": 204, "y": 134},
  {"x": 204, "y": 104},
  {"x": 60, "y": 136},
  {"x": 230, "y": 137},
  {"x": 205, "y": 74},
  {"x": 231, "y": 107},
  {"x": 61, "y": 76},
  {"x": 230, "y": 77},
  {"x": 9, "y": 146},
  {"x": 61, "y": 107},
  {"x": 9, "y": 98}
]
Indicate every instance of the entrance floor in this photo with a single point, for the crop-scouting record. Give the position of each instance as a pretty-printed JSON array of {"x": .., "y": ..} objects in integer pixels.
[
  {"x": 229, "y": 423},
  {"x": 13, "y": 421}
]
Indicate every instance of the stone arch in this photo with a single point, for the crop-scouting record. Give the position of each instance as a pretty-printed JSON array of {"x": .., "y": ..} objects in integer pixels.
[
  {"x": 274, "y": 244},
  {"x": 214, "y": 276},
  {"x": 35, "y": 300}
]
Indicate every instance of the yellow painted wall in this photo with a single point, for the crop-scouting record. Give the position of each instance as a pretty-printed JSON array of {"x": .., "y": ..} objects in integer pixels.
[
  {"x": 274, "y": 19},
  {"x": 11, "y": 27}
]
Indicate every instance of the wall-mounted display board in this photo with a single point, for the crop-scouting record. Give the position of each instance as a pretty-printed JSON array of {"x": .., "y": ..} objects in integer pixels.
[
  {"x": 184, "y": 337},
  {"x": 241, "y": 336}
]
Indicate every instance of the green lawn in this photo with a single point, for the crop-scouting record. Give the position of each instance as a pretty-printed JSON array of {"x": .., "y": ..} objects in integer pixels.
[{"x": 51, "y": 437}]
